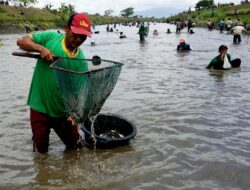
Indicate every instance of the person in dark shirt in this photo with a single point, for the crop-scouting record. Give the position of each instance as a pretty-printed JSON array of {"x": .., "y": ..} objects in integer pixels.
[
  {"x": 189, "y": 25},
  {"x": 122, "y": 35},
  {"x": 191, "y": 31},
  {"x": 142, "y": 32},
  {"x": 183, "y": 45},
  {"x": 217, "y": 63}
]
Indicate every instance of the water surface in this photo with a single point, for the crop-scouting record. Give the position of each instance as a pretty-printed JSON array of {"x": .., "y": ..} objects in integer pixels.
[{"x": 193, "y": 124}]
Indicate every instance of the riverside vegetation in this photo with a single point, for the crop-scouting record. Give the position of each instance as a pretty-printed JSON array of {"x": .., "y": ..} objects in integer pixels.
[
  {"x": 13, "y": 19},
  {"x": 201, "y": 17}
]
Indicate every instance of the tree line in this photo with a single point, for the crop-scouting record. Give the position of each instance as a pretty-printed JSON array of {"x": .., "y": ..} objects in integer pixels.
[
  {"x": 18, "y": 2},
  {"x": 70, "y": 9}
]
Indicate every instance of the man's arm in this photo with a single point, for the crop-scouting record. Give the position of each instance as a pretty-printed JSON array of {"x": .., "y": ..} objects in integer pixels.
[
  {"x": 210, "y": 65},
  {"x": 229, "y": 58},
  {"x": 189, "y": 47},
  {"x": 245, "y": 30},
  {"x": 26, "y": 43}
]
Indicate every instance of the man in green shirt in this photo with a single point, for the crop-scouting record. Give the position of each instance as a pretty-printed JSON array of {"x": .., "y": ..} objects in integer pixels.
[
  {"x": 217, "y": 63},
  {"x": 142, "y": 32},
  {"x": 47, "y": 109}
]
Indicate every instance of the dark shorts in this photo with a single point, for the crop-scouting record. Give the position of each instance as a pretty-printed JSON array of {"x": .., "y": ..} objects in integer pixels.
[
  {"x": 237, "y": 38},
  {"x": 41, "y": 125}
]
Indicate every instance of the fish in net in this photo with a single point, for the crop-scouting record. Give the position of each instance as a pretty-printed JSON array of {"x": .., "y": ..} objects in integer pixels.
[{"x": 84, "y": 91}]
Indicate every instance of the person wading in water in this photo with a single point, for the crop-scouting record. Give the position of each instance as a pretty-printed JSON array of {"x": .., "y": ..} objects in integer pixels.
[
  {"x": 47, "y": 109},
  {"x": 217, "y": 63}
]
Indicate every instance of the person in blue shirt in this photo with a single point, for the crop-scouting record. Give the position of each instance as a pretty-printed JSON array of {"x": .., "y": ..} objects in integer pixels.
[{"x": 221, "y": 25}]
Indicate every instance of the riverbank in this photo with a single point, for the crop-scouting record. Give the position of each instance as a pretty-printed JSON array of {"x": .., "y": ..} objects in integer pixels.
[
  {"x": 201, "y": 17},
  {"x": 14, "y": 19}
]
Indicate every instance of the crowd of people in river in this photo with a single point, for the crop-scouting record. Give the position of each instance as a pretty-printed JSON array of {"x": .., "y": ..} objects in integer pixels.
[
  {"x": 228, "y": 26},
  {"x": 235, "y": 28}
]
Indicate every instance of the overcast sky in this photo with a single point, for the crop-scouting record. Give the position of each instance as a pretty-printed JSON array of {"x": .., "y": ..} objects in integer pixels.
[{"x": 99, "y": 6}]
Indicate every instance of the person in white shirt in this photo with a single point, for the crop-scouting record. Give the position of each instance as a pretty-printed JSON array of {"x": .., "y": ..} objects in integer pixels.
[
  {"x": 229, "y": 24},
  {"x": 237, "y": 31},
  {"x": 178, "y": 26}
]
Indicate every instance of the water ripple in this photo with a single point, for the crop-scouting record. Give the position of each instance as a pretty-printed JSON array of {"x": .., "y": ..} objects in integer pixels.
[{"x": 193, "y": 124}]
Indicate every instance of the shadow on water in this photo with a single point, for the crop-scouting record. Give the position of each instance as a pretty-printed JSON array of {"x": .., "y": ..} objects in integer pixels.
[{"x": 220, "y": 74}]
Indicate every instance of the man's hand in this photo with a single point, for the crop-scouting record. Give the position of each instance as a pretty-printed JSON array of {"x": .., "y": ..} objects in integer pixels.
[
  {"x": 46, "y": 54},
  {"x": 222, "y": 57},
  {"x": 71, "y": 120},
  {"x": 26, "y": 43}
]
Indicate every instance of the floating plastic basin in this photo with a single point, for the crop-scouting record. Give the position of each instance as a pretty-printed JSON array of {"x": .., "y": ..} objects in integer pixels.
[{"x": 110, "y": 131}]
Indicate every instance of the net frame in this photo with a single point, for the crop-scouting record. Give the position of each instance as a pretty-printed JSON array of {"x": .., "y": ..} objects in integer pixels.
[{"x": 88, "y": 102}]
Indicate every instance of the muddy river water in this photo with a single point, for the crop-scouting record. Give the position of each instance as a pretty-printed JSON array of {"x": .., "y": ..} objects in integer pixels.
[{"x": 193, "y": 124}]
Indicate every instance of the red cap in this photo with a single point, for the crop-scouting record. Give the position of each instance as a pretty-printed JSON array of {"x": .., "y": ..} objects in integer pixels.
[{"x": 81, "y": 24}]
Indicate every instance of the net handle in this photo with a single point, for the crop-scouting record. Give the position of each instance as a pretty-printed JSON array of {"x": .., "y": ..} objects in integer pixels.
[{"x": 30, "y": 55}]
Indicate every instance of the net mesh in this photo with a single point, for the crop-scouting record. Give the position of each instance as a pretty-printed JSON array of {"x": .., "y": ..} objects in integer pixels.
[{"x": 85, "y": 92}]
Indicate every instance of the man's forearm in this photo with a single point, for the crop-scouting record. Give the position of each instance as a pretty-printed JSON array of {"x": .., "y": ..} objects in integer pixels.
[{"x": 26, "y": 43}]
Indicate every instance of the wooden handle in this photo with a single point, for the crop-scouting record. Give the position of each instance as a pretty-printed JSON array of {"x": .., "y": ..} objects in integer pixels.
[
  {"x": 30, "y": 55},
  {"x": 96, "y": 60},
  {"x": 25, "y": 54}
]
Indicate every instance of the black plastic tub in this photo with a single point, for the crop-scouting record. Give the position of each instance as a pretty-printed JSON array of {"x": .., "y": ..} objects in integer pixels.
[{"x": 104, "y": 124}]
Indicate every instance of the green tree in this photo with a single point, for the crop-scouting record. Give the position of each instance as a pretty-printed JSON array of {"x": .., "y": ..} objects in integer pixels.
[
  {"x": 127, "y": 12},
  {"x": 48, "y": 6},
  {"x": 63, "y": 11},
  {"x": 71, "y": 9},
  {"x": 204, "y": 4},
  {"x": 108, "y": 12},
  {"x": 27, "y": 2}
]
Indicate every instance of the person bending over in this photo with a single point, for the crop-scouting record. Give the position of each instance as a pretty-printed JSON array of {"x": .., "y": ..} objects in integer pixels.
[{"x": 47, "y": 110}]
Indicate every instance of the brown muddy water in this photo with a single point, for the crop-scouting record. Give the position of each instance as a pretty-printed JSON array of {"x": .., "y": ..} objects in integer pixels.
[{"x": 193, "y": 124}]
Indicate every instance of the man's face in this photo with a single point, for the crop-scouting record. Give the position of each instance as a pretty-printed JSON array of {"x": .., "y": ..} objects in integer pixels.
[
  {"x": 74, "y": 40},
  {"x": 223, "y": 51}
]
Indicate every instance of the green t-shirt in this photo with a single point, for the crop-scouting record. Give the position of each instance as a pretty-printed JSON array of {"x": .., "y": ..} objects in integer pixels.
[
  {"x": 44, "y": 95},
  {"x": 217, "y": 63},
  {"x": 142, "y": 30}
]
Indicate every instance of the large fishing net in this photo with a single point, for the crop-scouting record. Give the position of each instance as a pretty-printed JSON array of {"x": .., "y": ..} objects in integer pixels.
[{"x": 84, "y": 89}]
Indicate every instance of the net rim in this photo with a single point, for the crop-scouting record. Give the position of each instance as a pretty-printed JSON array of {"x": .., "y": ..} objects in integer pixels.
[{"x": 52, "y": 66}]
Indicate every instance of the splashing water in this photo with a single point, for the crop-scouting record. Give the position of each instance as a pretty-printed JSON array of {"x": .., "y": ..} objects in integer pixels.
[{"x": 92, "y": 130}]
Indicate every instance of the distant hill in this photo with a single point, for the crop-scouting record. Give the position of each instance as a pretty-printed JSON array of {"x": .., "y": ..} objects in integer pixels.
[{"x": 159, "y": 12}]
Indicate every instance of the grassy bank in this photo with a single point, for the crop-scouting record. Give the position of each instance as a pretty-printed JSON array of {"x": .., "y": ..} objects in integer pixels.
[
  {"x": 201, "y": 17},
  {"x": 13, "y": 19}
]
